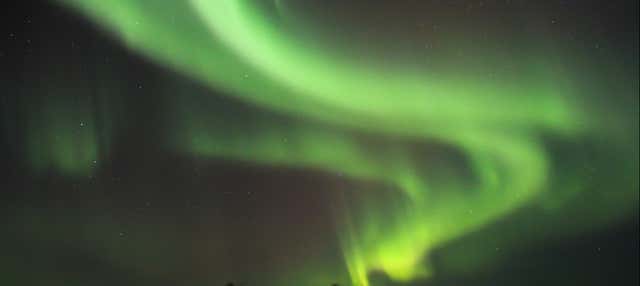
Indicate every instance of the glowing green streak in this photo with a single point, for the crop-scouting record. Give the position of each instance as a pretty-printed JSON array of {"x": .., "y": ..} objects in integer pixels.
[
  {"x": 61, "y": 122},
  {"x": 66, "y": 143},
  {"x": 313, "y": 84},
  {"x": 391, "y": 242},
  {"x": 233, "y": 46},
  {"x": 61, "y": 133},
  {"x": 393, "y": 96}
]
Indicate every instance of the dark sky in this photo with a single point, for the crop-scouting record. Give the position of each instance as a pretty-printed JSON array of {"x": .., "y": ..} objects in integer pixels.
[{"x": 152, "y": 217}]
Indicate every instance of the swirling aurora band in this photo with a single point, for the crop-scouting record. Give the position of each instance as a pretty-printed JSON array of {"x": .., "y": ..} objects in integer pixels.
[{"x": 497, "y": 125}]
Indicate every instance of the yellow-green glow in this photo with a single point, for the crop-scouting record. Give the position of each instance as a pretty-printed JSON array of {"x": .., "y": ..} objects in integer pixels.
[{"x": 497, "y": 126}]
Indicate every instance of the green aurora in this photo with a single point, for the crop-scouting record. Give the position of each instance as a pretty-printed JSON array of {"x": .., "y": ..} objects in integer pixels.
[{"x": 323, "y": 110}]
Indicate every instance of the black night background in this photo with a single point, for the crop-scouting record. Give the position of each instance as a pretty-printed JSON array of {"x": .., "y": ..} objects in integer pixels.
[{"x": 154, "y": 156}]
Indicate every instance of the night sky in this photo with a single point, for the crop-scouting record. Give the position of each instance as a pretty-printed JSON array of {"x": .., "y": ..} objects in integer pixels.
[{"x": 319, "y": 142}]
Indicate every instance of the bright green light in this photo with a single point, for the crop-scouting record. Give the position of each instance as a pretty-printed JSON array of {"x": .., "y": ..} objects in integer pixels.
[{"x": 496, "y": 125}]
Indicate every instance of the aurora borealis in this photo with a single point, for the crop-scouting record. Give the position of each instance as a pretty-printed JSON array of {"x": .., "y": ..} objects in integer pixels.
[{"x": 441, "y": 137}]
